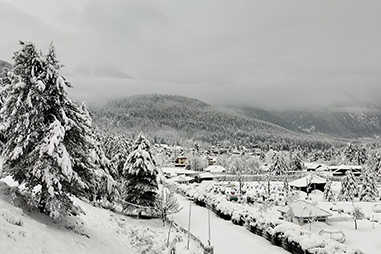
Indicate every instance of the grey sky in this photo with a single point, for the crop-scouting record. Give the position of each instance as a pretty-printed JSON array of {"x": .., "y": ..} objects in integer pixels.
[{"x": 272, "y": 53}]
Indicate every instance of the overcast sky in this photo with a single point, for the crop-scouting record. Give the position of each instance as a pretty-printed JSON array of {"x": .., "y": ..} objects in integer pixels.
[{"x": 280, "y": 53}]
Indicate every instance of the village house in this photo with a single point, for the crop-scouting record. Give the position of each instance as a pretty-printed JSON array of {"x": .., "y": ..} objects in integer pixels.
[
  {"x": 342, "y": 169},
  {"x": 308, "y": 183},
  {"x": 303, "y": 212},
  {"x": 316, "y": 167},
  {"x": 180, "y": 161}
]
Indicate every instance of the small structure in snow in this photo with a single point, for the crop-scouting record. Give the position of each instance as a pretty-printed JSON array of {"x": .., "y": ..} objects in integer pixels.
[
  {"x": 340, "y": 171},
  {"x": 180, "y": 161},
  {"x": 309, "y": 183},
  {"x": 170, "y": 172},
  {"x": 215, "y": 169},
  {"x": 182, "y": 179},
  {"x": 303, "y": 212},
  {"x": 316, "y": 167},
  {"x": 204, "y": 177},
  {"x": 211, "y": 160}
]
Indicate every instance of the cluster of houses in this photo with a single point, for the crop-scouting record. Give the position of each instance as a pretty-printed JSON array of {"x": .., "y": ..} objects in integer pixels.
[
  {"x": 302, "y": 212},
  {"x": 334, "y": 170}
]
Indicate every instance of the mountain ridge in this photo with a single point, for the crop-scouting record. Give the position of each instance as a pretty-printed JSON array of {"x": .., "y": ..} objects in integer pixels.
[{"x": 173, "y": 118}]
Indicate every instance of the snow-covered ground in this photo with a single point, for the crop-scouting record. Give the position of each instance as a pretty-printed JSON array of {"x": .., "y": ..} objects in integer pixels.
[
  {"x": 367, "y": 237},
  {"x": 102, "y": 231},
  {"x": 225, "y": 236},
  {"x": 97, "y": 231}
]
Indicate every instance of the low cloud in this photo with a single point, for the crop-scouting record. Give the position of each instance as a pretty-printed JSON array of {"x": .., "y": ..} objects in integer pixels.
[{"x": 266, "y": 53}]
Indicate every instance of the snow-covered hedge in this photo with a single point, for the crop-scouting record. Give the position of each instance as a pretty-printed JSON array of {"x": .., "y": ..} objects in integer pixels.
[{"x": 261, "y": 222}]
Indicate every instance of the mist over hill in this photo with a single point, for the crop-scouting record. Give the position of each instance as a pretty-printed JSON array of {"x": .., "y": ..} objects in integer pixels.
[
  {"x": 357, "y": 119},
  {"x": 177, "y": 119}
]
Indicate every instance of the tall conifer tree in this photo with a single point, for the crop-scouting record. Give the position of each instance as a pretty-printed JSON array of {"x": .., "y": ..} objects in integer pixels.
[
  {"x": 140, "y": 177},
  {"x": 46, "y": 146},
  {"x": 349, "y": 187},
  {"x": 368, "y": 189}
]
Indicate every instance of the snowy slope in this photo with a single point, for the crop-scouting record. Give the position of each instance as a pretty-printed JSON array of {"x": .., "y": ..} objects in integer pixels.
[{"x": 97, "y": 231}]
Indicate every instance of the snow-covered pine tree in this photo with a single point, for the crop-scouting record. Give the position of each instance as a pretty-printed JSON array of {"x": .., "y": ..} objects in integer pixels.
[
  {"x": 46, "y": 146},
  {"x": 296, "y": 162},
  {"x": 361, "y": 155},
  {"x": 349, "y": 152},
  {"x": 140, "y": 178},
  {"x": 349, "y": 187},
  {"x": 116, "y": 148},
  {"x": 368, "y": 189},
  {"x": 374, "y": 162},
  {"x": 107, "y": 188},
  {"x": 279, "y": 167},
  {"x": 328, "y": 193}
]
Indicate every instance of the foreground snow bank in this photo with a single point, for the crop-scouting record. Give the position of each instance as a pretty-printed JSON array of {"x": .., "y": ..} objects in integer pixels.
[
  {"x": 261, "y": 219},
  {"x": 97, "y": 231}
]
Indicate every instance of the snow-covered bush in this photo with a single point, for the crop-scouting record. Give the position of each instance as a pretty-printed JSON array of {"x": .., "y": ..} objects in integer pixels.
[{"x": 259, "y": 222}]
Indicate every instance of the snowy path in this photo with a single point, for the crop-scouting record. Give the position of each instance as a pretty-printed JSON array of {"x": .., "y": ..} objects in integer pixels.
[{"x": 226, "y": 237}]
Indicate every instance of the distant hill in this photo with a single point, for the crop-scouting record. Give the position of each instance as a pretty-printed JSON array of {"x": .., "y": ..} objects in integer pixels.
[
  {"x": 171, "y": 119},
  {"x": 360, "y": 120},
  {"x": 349, "y": 123},
  {"x": 4, "y": 64}
]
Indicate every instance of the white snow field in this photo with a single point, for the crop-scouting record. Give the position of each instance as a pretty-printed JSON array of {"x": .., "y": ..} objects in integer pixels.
[
  {"x": 98, "y": 231},
  {"x": 226, "y": 238}
]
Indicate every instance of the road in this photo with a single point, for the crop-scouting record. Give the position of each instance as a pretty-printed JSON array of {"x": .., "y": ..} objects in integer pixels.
[{"x": 226, "y": 237}]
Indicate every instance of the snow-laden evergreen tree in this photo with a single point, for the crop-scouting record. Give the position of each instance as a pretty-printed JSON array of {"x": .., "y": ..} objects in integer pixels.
[
  {"x": 296, "y": 162},
  {"x": 140, "y": 178},
  {"x": 46, "y": 147},
  {"x": 116, "y": 148},
  {"x": 280, "y": 166},
  {"x": 360, "y": 155},
  {"x": 349, "y": 187},
  {"x": 349, "y": 152},
  {"x": 355, "y": 154},
  {"x": 107, "y": 188},
  {"x": 368, "y": 189},
  {"x": 374, "y": 162},
  {"x": 328, "y": 193}
]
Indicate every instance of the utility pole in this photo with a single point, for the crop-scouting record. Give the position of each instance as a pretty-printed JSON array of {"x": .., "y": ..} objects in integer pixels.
[
  {"x": 209, "y": 226},
  {"x": 189, "y": 223}
]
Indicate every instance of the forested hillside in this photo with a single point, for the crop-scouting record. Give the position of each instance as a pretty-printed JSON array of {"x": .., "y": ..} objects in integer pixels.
[
  {"x": 357, "y": 121},
  {"x": 176, "y": 119},
  {"x": 343, "y": 123}
]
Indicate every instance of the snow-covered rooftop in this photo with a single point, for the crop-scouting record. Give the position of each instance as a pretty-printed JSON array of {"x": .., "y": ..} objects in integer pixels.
[
  {"x": 302, "y": 182},
  {"x": 215, "y": 169},
  {"x": 303, "y": 209}
]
